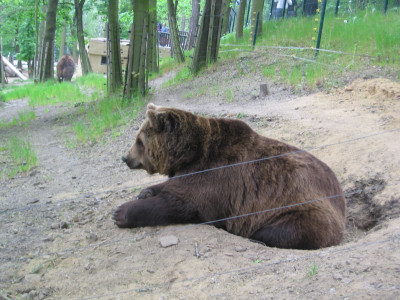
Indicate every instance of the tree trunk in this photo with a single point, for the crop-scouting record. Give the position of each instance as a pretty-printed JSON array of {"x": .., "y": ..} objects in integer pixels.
[
  {"x": 137, "y": 60},
  {"x": 173, "y": 27},
  {"x": 38, "y": 65},
  {"x": 2, "y": 77},
  {"x": 207, "y": 44},
  {"x": 74, "y": 43},
  {"x": 152, "y": 46},
  {"x": 47, "y": 60},
  {"x": 17, "y": 50},
  {"x": 85, "y": 64},
  {"x": 62, "y": 40},
  {"x": 240, "y": 19},
  {"x": 194, "y": 25},
  {"x": 35, "y": 60},
  {"x": 115, "y": 49},
  {"x": 256, "y": 9},
  {"x": 225, "y": 18}
]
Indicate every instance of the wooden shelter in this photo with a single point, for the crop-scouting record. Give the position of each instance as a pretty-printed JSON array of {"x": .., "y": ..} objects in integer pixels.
[{"x": 97, "y": 52}]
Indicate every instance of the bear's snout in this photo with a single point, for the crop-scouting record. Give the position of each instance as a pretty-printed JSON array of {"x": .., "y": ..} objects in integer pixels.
[{"x": 124, "y": 159}]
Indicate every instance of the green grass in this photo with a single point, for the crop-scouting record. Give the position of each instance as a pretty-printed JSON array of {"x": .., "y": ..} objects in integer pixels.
[
  {"x": 23, "y": 119},
  {"x": 312, "y": 271},
  {"x": 21, "y": 154},
  {"x": 183, "y": 75},
  {"x": 84, "y": 89},
  {"x": 369, "y": 33},
  {"x": 109, "y": 114}
]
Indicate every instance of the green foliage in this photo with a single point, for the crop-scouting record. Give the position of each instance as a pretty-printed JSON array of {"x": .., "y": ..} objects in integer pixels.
[
  {"x": 26, "y": 38},
  {"x": 22, "y": 157},
  {"x": 109, "y": 114},
  {"x": 312, "y": 270},
  {"x": 369, "y": 32},
  {"x": 183, "y": 74},
  {"x": 52, "y": 92},
  {"x": 184, "y": 11}
]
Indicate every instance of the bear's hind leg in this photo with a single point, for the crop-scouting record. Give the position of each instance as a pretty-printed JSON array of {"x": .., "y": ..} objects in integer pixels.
[{"x": 294, "y": 232}]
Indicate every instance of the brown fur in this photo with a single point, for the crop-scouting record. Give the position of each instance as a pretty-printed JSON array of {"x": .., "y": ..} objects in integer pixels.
[
  {"x": 65, "y": 68},
  {"x": 174, "y": 142}
]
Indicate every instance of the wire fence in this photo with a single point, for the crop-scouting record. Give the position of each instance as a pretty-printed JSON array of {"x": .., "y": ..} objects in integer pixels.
[
  {"x": 35, "y": 205},
  {"x": 75, "y": 250},
  {"x": 257, "y": 268}
]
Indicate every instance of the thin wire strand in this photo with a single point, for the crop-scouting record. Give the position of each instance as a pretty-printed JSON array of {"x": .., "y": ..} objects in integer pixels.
[
  {"x": 214, "y": 169},
  {"x": 302, "y": 48},
  {"x": 185, "y": 227}
]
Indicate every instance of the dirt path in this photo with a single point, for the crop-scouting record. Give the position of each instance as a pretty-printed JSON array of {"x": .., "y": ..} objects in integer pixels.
[{"x": 57, "y": 239}]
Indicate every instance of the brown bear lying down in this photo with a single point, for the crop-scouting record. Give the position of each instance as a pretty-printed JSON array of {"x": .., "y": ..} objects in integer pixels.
[{"x": 175, "y": 142}]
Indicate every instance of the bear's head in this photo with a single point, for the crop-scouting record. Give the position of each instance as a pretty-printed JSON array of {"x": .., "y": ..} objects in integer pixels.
[{"x": 167, "y": 142}]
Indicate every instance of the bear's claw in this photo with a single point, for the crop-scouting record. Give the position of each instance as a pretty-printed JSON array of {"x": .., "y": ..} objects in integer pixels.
[
  {"x": 146, "y": 193},
  {"x": 119, "y": 217}
]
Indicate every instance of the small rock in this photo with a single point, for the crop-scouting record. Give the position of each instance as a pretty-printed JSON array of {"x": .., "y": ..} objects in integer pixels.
[
  {"x": 151, "y": 271},
  {"x": 144, "y": 289},
  {"x": 54, "y": 226},
  {"x": 346, "y": 280},
  {"x": 169, "y": 240},
  {"x": 33, "y": 201},
  {"x": 92, "y": 237},
  {"x": 228, "y": 254},
  {"x": 240, "y": 249},
  {"x": 332, "y": 290},
  {"x": 32, "y": 279},
  {"x": 264, "y": 91},
  {"x": 48, "y": 239},
  {"x": 337, "y": 276},
  {"x": 64, "y": 225}
]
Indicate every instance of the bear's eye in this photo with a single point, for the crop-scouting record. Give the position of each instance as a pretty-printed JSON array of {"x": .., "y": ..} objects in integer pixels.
[{"x": 139, "y": 143}]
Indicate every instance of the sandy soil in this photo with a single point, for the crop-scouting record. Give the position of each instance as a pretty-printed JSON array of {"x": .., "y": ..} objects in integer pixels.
[{"x": 58, "y": 241}]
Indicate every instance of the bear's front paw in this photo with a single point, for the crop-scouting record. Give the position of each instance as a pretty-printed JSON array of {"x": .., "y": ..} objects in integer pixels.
[
  {"x": 121, "y": 216},
  {"x": 146, "y": 193}
]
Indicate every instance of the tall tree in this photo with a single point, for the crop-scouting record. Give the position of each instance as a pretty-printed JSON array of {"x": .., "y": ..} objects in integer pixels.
[
  {"x": 115, "y": 49},
  {"x": 194, "y": 25},
  {"x": 153, "y": 38},
  {"x": 240, "y": 19},
  {"x": 62, "y": 38},
  {"x": 137, "y": 75},
  {"x": 207, "y": 44},
  {"x": 85, "y": 64},
  {"x": 226, "y": 11},
  {"x": 47, "y": 56},
  {"x": 257, "y": 8},
  {"x": 173, "y": 29}
]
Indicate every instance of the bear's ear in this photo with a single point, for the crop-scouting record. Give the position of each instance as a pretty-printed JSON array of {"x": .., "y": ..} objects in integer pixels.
[
  {"x": 151, "y": 106},
  {"x": 156, "y": 120},
  {"x": 161, "y": 121},
  {"x": 151, "y": 115}
]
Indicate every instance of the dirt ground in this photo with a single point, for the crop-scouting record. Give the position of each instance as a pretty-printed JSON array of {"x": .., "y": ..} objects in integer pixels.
[{"x": 58, "y": 241}]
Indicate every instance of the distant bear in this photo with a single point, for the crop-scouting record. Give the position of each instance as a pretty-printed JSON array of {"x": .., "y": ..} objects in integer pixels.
[
  {"x": 65, "y": 68},
  {"x": 175, "y": 142}
]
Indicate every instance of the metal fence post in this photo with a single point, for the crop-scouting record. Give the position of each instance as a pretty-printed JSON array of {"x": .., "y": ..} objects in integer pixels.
[
  {"x": 255, "y": 30},
  {"x": 321, "y": 24},
  {"x": 337, "y": 7},
  {"x": 248, "y": 12}
]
